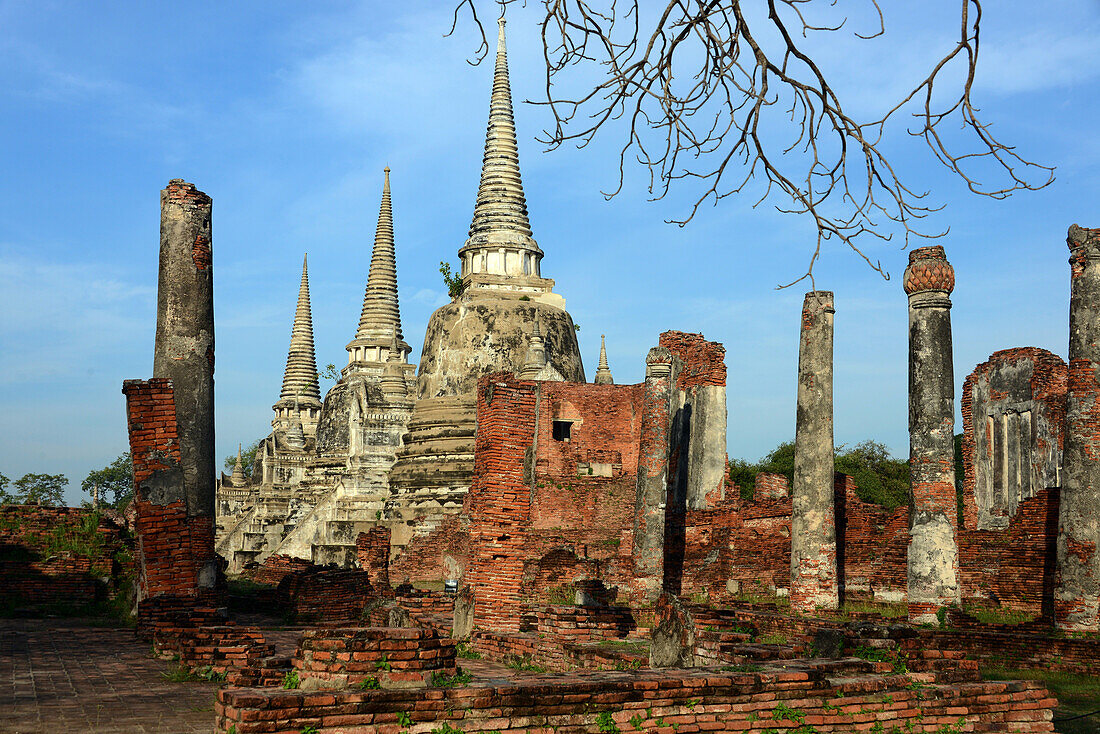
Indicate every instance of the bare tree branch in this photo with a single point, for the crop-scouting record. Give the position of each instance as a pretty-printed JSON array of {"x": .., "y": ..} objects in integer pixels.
[{"x": 697, "y": 88}]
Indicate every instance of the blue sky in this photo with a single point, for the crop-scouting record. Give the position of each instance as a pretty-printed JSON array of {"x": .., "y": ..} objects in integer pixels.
[{"x": 286, "y": 113}]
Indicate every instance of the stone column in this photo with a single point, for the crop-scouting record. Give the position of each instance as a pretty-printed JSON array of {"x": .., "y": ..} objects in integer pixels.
[
  {"x": 1077, "y": 590},
  {"x": 813, "y": 531},
  {"x": 933, "y": 557},
  {"x": 184, "y": 352},
  {"x": 652, "y": 487}
]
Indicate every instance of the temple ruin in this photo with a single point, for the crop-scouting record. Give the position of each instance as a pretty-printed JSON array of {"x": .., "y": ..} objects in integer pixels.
[{"x": 496, "y": 507}]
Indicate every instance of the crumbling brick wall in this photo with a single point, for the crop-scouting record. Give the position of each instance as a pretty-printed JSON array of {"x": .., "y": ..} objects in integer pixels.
[
  {"x": 443, "y": 553},
  {"x": 550, "y": 508},
  {"x": 1013, "y": 411},
  {"x": 747, "y": 543},
  {"x": 172, "y": 546},
  {"x": 60, "y": 555},
  {"x": 1014, "y": 567}
]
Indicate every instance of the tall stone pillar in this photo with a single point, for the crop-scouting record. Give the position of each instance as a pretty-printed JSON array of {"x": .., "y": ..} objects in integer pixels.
[
  {"x": 652, "y": 487},
  {"x": 813, "y": 530},
  {"x": 184, "y": 354},
  {"x": 933, "y": 557},
  {"x": 1077, "y": 591}
]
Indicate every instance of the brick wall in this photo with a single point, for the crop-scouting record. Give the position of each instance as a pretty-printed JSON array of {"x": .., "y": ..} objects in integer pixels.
[
  {"x": 34, "y": 572},
  {"x": 1014, "y": 567},
  {"x": 748, "y": 542},
  {"x": 373, "y": 550},
  {"x": 172, "y": 545},
  {"x": 500, "y": 499},
  {"x": 440, "y": 554},
  {"x": 220, "y": 649},
  {"x": 276, "y": 567},
  {"x": 324, "y": 595},
  {"x": 702, "y": 362},
  {"x": 806, "y": 694},
  {"x": 395, "y": 657}
]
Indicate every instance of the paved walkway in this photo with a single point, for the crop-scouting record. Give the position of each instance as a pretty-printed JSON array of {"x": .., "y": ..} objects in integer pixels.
[{"x": 59, "y": 677}]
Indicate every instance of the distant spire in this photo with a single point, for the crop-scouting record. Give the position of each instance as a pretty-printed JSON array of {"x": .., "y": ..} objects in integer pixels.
[
  {"x": 500, "y": 214},
  {"x": 300, "y": 378},
  {"x": 393, "y": 376},
  {"x": 238, "y": 478},
  {"x": 603, "y": 372},
  {"x": 536, "y": 354},
  {"x": 381, "y": 314}
]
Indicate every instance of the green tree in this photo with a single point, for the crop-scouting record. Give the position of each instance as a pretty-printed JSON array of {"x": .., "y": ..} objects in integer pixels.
[
  {"x": 6, "y": 497},
  {"x": 879, "y": 477},
  {"x": 41, "y": 489},
  {"x": 114, "y": 483},
  {"x": 248, "y": 458},
  {"x": 454, "y": 283}
]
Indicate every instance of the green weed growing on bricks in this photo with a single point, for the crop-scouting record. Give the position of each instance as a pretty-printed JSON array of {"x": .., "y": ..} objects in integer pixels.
[{"x": 606, "y": 724}]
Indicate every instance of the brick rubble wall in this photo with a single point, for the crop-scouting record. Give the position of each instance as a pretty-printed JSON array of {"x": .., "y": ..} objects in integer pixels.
[
  {"x": 325, "y": 595},
  {"x": 275, "y": 567},
  {"x": 395, "y": 657},
  {"x": 373, "y": 550},
  {"x": 500, "y": 498},
  {"x": 435, "y": 555},
  {"x": 32, "y": 575},
  {"x": 172, "y": 546},
  {"x": 219, "y": 649},
  {"x": 702, "y": 362},
  {"x": 803, "y": 694},
  {"x": 1014, "y": 567}
]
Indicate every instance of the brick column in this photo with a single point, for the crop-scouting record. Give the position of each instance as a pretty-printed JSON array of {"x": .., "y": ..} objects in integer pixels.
[
  {"x": 1077, "y": 590},
  {"x": 499, "y": 500},
  {"x": 813, "y": 531},
  {"x": 652, "y": 487},
  {"x": 933, "y": 557}
]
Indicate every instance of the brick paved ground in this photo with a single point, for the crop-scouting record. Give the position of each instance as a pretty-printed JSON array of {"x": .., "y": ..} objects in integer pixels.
[{"x": 59, "y": 677}]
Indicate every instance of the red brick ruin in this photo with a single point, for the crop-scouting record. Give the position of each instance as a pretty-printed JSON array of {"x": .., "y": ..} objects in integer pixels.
[{"x": 594, "y": 509}]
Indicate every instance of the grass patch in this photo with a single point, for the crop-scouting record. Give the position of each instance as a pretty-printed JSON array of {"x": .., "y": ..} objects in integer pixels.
[
  {"x": 463, "y": 650},
  {"x": 1077, "y": 694},
  {"x": 460, "y": 679},
  {"x": 523, "y": 664},
  {"x": 634, "y": 646},
  {"x": 999, "y": 615},
  {"x": 773, "y": 638}
]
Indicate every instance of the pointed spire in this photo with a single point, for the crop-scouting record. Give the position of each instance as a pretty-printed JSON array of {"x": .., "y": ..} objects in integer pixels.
[
  {"x": 603, "y": 372},
  {"x": 500, "y": 214},
  {"x": 300, "y": 378},
  {"x": 536, "y": 354},
  {"x": 381, "y": 315},
  {"x": 393, "y": 375},
  {"x": 238, "y": 479}
]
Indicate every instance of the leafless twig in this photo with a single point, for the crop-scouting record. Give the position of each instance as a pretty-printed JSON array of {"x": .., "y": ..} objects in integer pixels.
[{"x": 709, "y": 121}]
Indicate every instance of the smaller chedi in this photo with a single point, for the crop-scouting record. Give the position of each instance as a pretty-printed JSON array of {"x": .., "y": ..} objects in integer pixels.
[{"x": 321, "y": 475}]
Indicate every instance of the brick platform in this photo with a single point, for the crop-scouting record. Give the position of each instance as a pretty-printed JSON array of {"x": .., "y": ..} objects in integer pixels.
[{"x": 832, "y": 697}]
